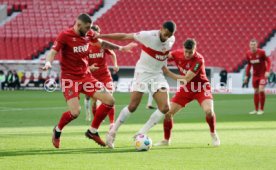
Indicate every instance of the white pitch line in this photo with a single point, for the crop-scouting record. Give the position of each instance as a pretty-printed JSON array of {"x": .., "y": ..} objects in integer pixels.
[
  {"x": 7, "y": 109},
  {"x": 40, "y": 108}
]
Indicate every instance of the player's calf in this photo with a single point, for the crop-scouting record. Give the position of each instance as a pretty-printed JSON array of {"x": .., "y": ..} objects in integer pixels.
[
  {"x": 132, "y": 107},
  {"x": 211, "y": 120}
]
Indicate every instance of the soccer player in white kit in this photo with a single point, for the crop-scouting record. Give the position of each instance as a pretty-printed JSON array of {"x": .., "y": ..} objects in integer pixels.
[{"x": 148, "y": 76}]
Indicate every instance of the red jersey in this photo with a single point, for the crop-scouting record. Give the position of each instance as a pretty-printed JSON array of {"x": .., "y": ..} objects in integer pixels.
[
  {"x": 261, "y": 63},
  {"x": 195, "y": 64},
  {"x": 74, "y": 53},
  {"x": 98, "y": 55}
]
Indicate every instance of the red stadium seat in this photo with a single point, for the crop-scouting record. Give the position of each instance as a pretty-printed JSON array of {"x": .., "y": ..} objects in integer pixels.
[
  {"x": 40, "y": 19},
  {"x": 222, "y": 28}
]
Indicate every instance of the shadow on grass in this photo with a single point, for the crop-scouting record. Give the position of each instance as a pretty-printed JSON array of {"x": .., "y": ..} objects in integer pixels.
[
  {"x": 12, "y": 153},
  {"x": 185, "y": 129}
]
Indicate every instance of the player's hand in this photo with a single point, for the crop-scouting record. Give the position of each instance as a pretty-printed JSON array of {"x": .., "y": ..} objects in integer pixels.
[
  {"x": 116, "y": 69},
  {"x": 47, "y": 66},
  {"x": 267, "y": 74},
  {"x": 170, "y": 55},
  {"x": 245, "y": 81},
  {"x": 128, "y": 48},
  {"x": 165, "y": 70},
  {"x": 93, "y": 67}
]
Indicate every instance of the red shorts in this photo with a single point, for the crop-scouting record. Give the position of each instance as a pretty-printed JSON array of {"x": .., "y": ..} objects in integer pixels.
[
  {"x": 183, "y": 97},
  {"x": 257, "y": 81},
  {"x": 106, "y": 80},
  {"x": 73, "y": 87}
]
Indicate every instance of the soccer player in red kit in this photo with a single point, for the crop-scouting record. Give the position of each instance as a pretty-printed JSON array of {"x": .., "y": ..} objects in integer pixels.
[
  {"x": 194, "y": 86},
  {"x": 257, "y": 59},
  {"x": 76, "y": 77},
  {"x": 99, "y": 69}
]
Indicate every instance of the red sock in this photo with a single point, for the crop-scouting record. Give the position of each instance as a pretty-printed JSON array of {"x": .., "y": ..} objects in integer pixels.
[
  {"x": 65, "y": 119},
  {"x": 100, "y": 115},
  {"x": 94, "y": 109},
  {"x": 111, "y": 115},
  {"x": 211, "y": 120},
  {"x": 262, "y": 100},
  {"x": 167, "y": 126},
  {"x": 256, "y": 101}
]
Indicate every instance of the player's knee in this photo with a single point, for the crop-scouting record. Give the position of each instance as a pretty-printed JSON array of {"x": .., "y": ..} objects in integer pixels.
[
  {"x": 208, "y": 112},
  {"x": 76, "y": 111},
  {"x": 164, "y": 109},
  {"x": 110, "y": 101},
  {"x": 261, "y": 90}
]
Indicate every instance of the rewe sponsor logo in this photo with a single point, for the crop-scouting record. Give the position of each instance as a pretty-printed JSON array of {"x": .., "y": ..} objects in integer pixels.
[
  {"x": 255, "y": 61},
  {"x": 80, "y": 49},
  {"x": 96, "y": 55},
  {"x": 161, "y": 57}
]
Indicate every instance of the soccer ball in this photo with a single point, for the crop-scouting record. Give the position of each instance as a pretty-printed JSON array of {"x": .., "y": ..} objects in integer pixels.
[
  {"x": 143, "y": 142},
  {"x": 50, "y": 85}
]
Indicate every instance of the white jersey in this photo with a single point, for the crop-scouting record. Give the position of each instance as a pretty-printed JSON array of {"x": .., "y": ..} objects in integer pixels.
[{"x": 154, "y": 53}]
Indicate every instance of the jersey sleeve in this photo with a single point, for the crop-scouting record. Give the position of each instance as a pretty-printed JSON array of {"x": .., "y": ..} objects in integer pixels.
[
  {"x": 173, "y": 56},
  {"x": 90, "y": 62},
  {"x": 142, "y": 37},
  {"x": 196, "y": 66},
  {"x": 59, "y": 42}
]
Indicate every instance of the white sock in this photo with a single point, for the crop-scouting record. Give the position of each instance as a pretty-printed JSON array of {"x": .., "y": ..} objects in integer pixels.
[
  {"x": 153, "y": 120},
  {"x": 150, "y": 99},
  {"x": 87, "y": 104},
  {"x": 124, "y": 114},
  {"x": 57, "y": 129},
  {"x": 93, "y": 130},
  {"x": 111, "y": 126}
]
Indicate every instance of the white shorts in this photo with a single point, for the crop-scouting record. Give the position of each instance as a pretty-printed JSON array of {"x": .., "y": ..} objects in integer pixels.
[{"x": 148, "y": 82}]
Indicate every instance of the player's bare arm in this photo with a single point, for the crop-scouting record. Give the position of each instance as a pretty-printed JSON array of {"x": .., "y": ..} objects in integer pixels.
[
  {"x": 170, "y": 56},
  {"x": 49, "y": 59},
  {"x": 111, "y": 46},
  {"x": 114, "y": 60},
  {"x": 186, "y": 79},
  {"x": 117, "y": 36},
  {"x": 268, "y": 65},
  {"x": 248, "y": 68}
]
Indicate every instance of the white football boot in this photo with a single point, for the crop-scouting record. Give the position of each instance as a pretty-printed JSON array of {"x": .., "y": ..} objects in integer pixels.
[
  {"x": 163, "y": 142},
  {"x": 253, "y": 112},
  {"x": 110, "y": 138},
  {"x": 260, "y": 112},
  {"x": 215, "y": 139}
]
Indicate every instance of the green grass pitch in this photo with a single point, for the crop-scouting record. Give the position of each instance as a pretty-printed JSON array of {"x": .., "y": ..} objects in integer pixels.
[{"x": 27, "y": 119}]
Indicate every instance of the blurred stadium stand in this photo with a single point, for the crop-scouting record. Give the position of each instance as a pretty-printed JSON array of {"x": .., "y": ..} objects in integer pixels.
[{"x": 34, "y": 29}]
